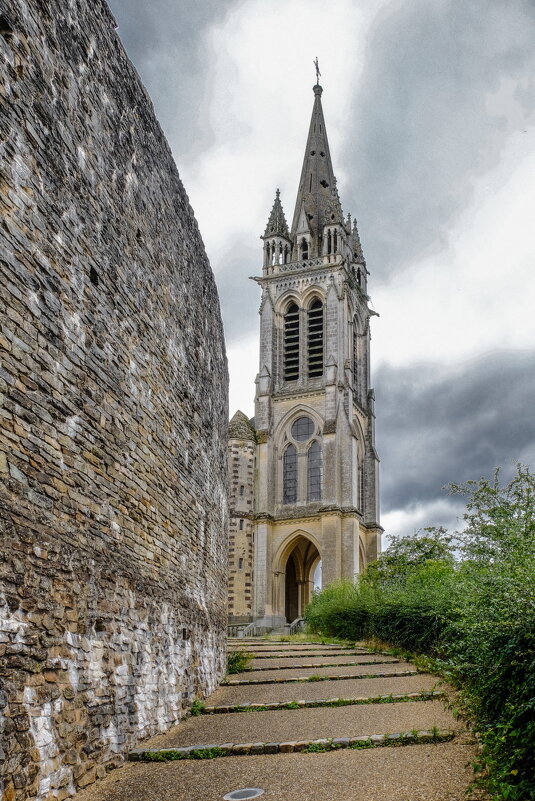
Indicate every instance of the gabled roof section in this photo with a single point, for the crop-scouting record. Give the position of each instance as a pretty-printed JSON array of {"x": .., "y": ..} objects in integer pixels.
[
  {"x": 302, "y": 224},
  {"x": 240, "y": 427},
  {"x": 317, "y": 177},
  {"x": 277, "y": 225}
]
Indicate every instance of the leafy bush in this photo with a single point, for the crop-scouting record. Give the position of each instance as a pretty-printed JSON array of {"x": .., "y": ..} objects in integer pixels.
[
  {"x": 340, "y": 610},
  {"x": 474, "y": 616}
]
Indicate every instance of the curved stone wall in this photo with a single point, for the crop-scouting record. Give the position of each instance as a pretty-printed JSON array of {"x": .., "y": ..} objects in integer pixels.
[{"x": 113, "y": 412}]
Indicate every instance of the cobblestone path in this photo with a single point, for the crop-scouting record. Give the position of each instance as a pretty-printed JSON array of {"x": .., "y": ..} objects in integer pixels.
[{"x": 307, "y": 721}]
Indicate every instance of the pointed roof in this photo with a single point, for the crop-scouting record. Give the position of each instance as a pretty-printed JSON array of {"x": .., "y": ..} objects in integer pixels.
[
  {"x": 240, "y": 427},
  {"x": 277, "y": 225},
  {"x": 317, "y": 177},
  {"x": 333, "y": 210}
]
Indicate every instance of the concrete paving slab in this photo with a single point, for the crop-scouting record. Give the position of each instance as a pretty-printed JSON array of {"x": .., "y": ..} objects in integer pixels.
[
  {"x": 413, "y": 773},
  {"x": 356, "y": 688},
  {"x": 306, "y": 724}
]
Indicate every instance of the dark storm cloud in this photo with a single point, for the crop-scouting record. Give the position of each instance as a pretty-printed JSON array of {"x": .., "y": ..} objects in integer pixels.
[
  {"x": 437, "y": 424},
  {"x": 422, "y": 130},
  {"x": 164, "y": 40}
]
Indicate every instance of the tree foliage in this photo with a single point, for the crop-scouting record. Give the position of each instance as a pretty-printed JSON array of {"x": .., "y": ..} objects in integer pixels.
[{"x": 466, "y": 598}]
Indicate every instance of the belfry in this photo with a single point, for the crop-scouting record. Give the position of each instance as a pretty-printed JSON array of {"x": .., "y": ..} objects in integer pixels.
[{"x": 304, "y": 508}]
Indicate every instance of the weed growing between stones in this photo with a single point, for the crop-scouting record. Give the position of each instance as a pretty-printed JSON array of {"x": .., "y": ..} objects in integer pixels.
[
  {"x": 172, "y": 755},
  {"x": 315, "y": 748},
  {"x": 238, "y": 661},
  {"x": 362, "y": 744},
  {"x": 197, "y": 708}
]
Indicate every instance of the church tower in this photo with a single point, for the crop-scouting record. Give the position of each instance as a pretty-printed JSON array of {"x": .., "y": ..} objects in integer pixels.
[{"x": 314, "y": 508}]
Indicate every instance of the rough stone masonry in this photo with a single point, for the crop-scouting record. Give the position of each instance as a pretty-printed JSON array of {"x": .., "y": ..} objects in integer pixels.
[{"x": 113, "y": 412}]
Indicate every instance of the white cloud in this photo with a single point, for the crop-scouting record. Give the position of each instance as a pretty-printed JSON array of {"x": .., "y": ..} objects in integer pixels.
[
  {"x": 405, "y": 522},
  {"x": 261, "y": 116},
  {"x": 477, "y": 294},
  {"x": 243, "y": 367}
]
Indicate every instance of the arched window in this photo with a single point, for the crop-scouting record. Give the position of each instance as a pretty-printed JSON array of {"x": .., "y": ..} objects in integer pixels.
[
  {"x": 304, "y": 249},
  {"x": 273, "y": 253},
  {"x": 314, "y": 472},
  {"x": 286, "y": 254},
  {"x": 315, "y": 339},
  {"x": 291, "y": 343},
  {"x": 335, "y": 242},
  {"x": 289, "y": 475},
  {"x": 329, "y": 242}
]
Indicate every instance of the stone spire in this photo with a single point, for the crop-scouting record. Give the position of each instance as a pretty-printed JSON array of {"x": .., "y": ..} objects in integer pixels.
[
  {"x": 277, "y": 225},
  {"x": 315, "y": 195}
]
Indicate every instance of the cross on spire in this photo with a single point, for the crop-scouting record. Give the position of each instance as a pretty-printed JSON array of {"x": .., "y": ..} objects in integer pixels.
[{"x": 318, "y": 73}]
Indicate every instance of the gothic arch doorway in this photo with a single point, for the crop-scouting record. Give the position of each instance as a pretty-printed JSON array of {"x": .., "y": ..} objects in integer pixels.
[{"x": 299, "y": 568}]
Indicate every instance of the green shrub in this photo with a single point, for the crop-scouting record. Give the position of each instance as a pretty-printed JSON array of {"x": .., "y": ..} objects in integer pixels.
[
  {"x": 340, "y": 610},
  {"x": 197, "y": 708},
  {"x": 475, "y": 618},
  {"x": 237, "y": 661}
]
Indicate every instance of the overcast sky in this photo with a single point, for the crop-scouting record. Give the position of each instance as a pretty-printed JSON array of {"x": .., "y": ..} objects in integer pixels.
[{"x": 430, "y": 113}]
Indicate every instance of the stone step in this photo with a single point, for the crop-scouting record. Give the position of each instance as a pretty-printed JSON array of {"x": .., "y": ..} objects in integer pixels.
[
  {"x": 283, "y": 647},
  {"x": 320, "y": 674},
  {"x": 318, "y": 662},
  {"x": 345, "y": 688},
  {"x": 305, "y": 724},
  {"x": 337, "y": 701},
  {"x": 284, "y": 655},
  {"x": 322, "y": 745}
]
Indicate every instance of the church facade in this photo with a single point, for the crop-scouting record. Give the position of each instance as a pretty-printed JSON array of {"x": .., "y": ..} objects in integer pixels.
[{"x": 304, "y": 472}]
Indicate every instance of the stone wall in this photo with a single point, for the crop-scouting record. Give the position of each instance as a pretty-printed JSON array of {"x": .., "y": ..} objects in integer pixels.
[
  {"x": 241, "y": 463},
  {"x": 113, "y": 410}
]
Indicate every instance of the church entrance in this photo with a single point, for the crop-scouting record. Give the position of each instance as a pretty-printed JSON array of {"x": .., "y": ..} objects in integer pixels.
[{"x": 302, "y": 569}]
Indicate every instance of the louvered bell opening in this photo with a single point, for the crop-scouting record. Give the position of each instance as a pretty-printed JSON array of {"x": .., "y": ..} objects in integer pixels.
[
  {"x": 315, "y": 339},
  {"x": 291, "y": 344}
]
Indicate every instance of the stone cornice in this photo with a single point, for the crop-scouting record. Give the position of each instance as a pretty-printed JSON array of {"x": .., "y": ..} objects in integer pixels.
[
  {"x": 245, "y": 515},
  {"x": 300, "y": 269},
  {"x": 296, "y": 515}
]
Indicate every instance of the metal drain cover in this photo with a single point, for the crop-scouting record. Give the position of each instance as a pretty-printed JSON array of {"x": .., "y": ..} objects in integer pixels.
[{"x": 247, "y": 792}]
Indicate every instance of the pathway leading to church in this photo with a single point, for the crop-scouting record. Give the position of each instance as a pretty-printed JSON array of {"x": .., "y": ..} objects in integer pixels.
[{"x": 307, "y": 721}]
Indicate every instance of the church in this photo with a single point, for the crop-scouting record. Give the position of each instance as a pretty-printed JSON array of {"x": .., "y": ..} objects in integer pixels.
[{"x": 303, "y": 473}]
